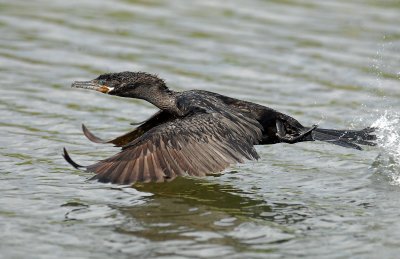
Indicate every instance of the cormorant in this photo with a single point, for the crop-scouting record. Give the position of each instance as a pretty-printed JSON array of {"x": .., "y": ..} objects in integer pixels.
[{"x": 195, "y": 132}]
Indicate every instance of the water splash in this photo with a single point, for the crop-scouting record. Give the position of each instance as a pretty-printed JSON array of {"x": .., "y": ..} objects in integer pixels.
[{"x": 388, "y": 138}]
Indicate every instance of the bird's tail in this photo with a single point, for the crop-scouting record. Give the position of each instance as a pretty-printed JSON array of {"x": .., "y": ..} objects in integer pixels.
[{"x": 346, "y": 138}]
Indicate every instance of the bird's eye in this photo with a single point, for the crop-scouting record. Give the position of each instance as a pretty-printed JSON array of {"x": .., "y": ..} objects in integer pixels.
[{"x": 102, "y": 82}]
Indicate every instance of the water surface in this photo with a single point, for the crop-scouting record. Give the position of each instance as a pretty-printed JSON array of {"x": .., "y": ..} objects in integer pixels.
[{"x": 335, "y": 63}]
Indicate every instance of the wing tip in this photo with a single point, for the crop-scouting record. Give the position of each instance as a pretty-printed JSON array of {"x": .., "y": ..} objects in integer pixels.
[
  {"x": 69, "y": 159},
  {"x": 89, "y": 135}
]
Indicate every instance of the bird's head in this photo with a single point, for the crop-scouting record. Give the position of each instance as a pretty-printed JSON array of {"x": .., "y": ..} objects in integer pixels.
[{"x": 125, "y": 84}]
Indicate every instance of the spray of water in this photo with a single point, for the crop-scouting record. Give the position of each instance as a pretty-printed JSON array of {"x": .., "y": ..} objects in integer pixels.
[
  {"x": 388, "y": 137},
  {"x": 387, "y": 164}
]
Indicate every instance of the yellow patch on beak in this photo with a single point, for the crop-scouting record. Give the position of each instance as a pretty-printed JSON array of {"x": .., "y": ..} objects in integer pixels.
[{"x": 104, "y": 89}]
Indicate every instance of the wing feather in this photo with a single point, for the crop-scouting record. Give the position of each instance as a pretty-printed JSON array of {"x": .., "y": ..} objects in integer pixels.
[
  {"x": 197, "y": 145},
  {"x": 172, "y": 169},
  {"x": 192, "y": 152},
  {"x": 124, "y": 177},
  {"x": 157, "y": 119},
  {"x": 134, "y": 174}
]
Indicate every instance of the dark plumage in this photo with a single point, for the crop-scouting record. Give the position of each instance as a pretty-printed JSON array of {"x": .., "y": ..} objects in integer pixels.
[{"x": 195, "y": 132}]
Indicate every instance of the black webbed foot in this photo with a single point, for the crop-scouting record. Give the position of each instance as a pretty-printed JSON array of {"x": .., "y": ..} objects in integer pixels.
[{"x": 283, "y": 137}]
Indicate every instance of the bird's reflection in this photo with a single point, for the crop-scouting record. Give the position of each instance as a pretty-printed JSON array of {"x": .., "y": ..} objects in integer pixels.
[
  {"x": 187, "y": 208},
  {"x": 195, "y": 192}
]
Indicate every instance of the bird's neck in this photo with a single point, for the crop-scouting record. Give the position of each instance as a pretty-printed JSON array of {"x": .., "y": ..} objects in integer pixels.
[{"x": 164, "y": 100}]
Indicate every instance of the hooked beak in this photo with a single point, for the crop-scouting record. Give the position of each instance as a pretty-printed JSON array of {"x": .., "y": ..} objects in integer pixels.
[{"x": 92, "y": 85}]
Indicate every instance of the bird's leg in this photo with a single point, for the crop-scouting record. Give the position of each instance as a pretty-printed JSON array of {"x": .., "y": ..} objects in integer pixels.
[
  {"x": 280, "y": 129},
  {"x": 283, "y": 137}
]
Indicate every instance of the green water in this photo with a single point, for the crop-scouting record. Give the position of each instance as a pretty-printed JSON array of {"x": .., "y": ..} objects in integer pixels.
[{"x": 334, "y": 63}]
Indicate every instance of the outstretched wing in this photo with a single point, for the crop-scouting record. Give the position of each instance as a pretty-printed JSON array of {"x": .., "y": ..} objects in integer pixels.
[
  {"x": 195, "y": 145},
  {"x": 155, "y": 120}
]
